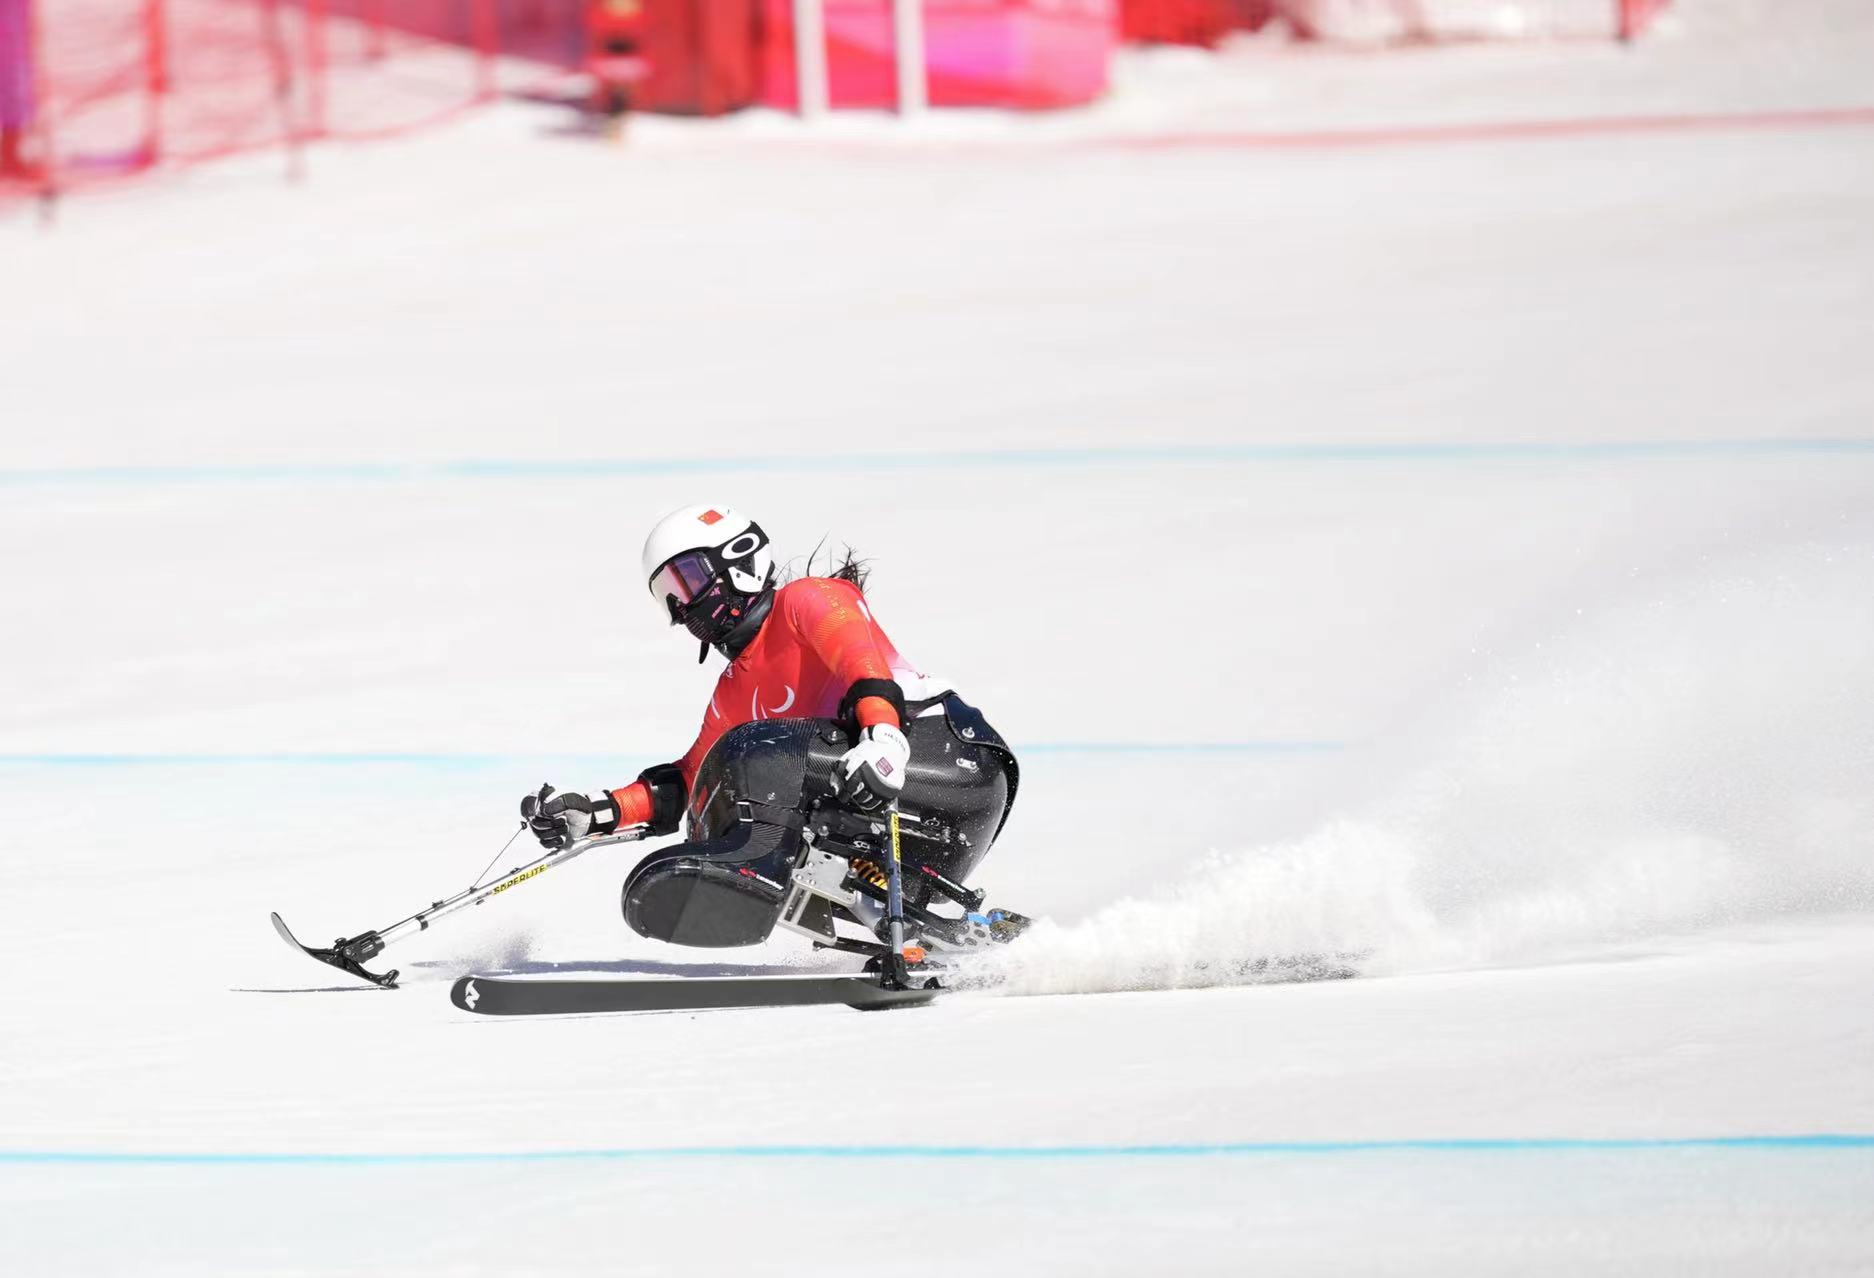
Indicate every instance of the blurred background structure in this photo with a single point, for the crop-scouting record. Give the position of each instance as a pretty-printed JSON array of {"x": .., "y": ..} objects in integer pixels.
[{"x": 99, "y": 90}]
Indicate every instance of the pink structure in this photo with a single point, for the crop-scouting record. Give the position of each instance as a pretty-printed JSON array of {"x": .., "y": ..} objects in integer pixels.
[{"x": 991, "y": 53}]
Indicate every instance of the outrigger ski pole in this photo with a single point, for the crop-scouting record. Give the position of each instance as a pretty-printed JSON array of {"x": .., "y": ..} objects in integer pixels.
[
  {"x": 895, "y": 973},
  {"x": 350, "y": 954}
]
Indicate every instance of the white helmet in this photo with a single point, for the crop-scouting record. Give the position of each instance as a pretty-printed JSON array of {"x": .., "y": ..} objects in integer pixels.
[{"x": 706, "y": 566}]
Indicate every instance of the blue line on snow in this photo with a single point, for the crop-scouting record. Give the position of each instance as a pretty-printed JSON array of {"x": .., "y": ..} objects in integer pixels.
[
  {"x": 349, "y": 759},
  {"x": 1821, "y": 1141},
  {"x": 1030, "y": 458}
]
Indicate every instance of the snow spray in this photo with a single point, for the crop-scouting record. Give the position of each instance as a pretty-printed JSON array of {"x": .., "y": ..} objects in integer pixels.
[{"x": 1692, "y": 754}]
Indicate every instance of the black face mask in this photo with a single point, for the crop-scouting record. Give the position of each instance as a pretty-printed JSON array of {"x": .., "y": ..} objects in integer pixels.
[
  {"x": 723, "y": 618},
  {"x": 753, "y": 618}
]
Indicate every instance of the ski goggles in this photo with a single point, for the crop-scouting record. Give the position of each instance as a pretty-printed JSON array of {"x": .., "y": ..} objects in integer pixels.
[{"x": 683, "y": 579}]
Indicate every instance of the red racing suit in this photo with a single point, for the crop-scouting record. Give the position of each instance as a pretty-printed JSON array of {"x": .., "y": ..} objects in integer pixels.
[{"x": 818, "y": 640}]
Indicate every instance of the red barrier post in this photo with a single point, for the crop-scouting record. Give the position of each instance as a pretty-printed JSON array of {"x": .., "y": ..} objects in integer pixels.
[
  {"x": 375, "y": 44},
  {"x": 280, "y": 62},
  {"x": 487, "y": 46},
  {"x": 156, "y": 79},
  {"x": 40, "y": 128},
  {"x": 316, "y": 62}
]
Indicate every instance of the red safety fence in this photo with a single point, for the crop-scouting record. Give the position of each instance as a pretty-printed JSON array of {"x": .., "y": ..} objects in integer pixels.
[{"x": 92, "y": 90}]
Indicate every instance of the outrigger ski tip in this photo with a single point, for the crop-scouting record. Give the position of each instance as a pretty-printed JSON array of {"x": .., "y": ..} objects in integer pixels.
[{"x": 348, "y": 954}]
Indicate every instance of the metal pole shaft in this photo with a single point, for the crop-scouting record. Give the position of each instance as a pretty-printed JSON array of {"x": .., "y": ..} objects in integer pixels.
[
  {"x": 907, "y": 21},
  {"x": 894, "y": 894},
  {"x": 810, "y": 80},
  {"x": 512, "y": 878}
]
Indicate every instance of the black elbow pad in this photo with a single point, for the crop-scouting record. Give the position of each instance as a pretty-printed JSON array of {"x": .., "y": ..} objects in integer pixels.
[
  {"x": 669, "y": 793},
  {"x": 863, "y": 688}
]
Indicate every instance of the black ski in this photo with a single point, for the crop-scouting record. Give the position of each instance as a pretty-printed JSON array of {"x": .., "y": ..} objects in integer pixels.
[
  {"x": 504, "y": 996},
  {"x": 347, "y": 955}
]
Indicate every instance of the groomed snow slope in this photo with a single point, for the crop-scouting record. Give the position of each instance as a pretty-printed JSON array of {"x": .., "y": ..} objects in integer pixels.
[{"x": 1462, "y": 557}]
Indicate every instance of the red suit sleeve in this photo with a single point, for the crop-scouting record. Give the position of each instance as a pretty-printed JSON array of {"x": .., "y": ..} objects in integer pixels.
[
  {"x": 634, "y": 804},
  {"x": 832, "y": 618}
]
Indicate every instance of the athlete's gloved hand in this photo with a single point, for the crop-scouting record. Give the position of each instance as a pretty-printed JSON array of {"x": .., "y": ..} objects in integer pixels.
[
  {"x": 561, "y": 820},
  {"x": 871, "y": 774}
]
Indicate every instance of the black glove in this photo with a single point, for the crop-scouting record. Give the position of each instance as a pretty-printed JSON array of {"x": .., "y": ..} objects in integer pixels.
[{"x": 561, "y": 820}]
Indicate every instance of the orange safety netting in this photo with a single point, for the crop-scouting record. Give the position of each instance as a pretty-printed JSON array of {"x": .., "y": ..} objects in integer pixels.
[{"x": 95, "y": 89}]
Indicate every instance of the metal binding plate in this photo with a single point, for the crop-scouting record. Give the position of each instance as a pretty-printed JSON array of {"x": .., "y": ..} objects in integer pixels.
[{"x": 818, "y": 884}]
